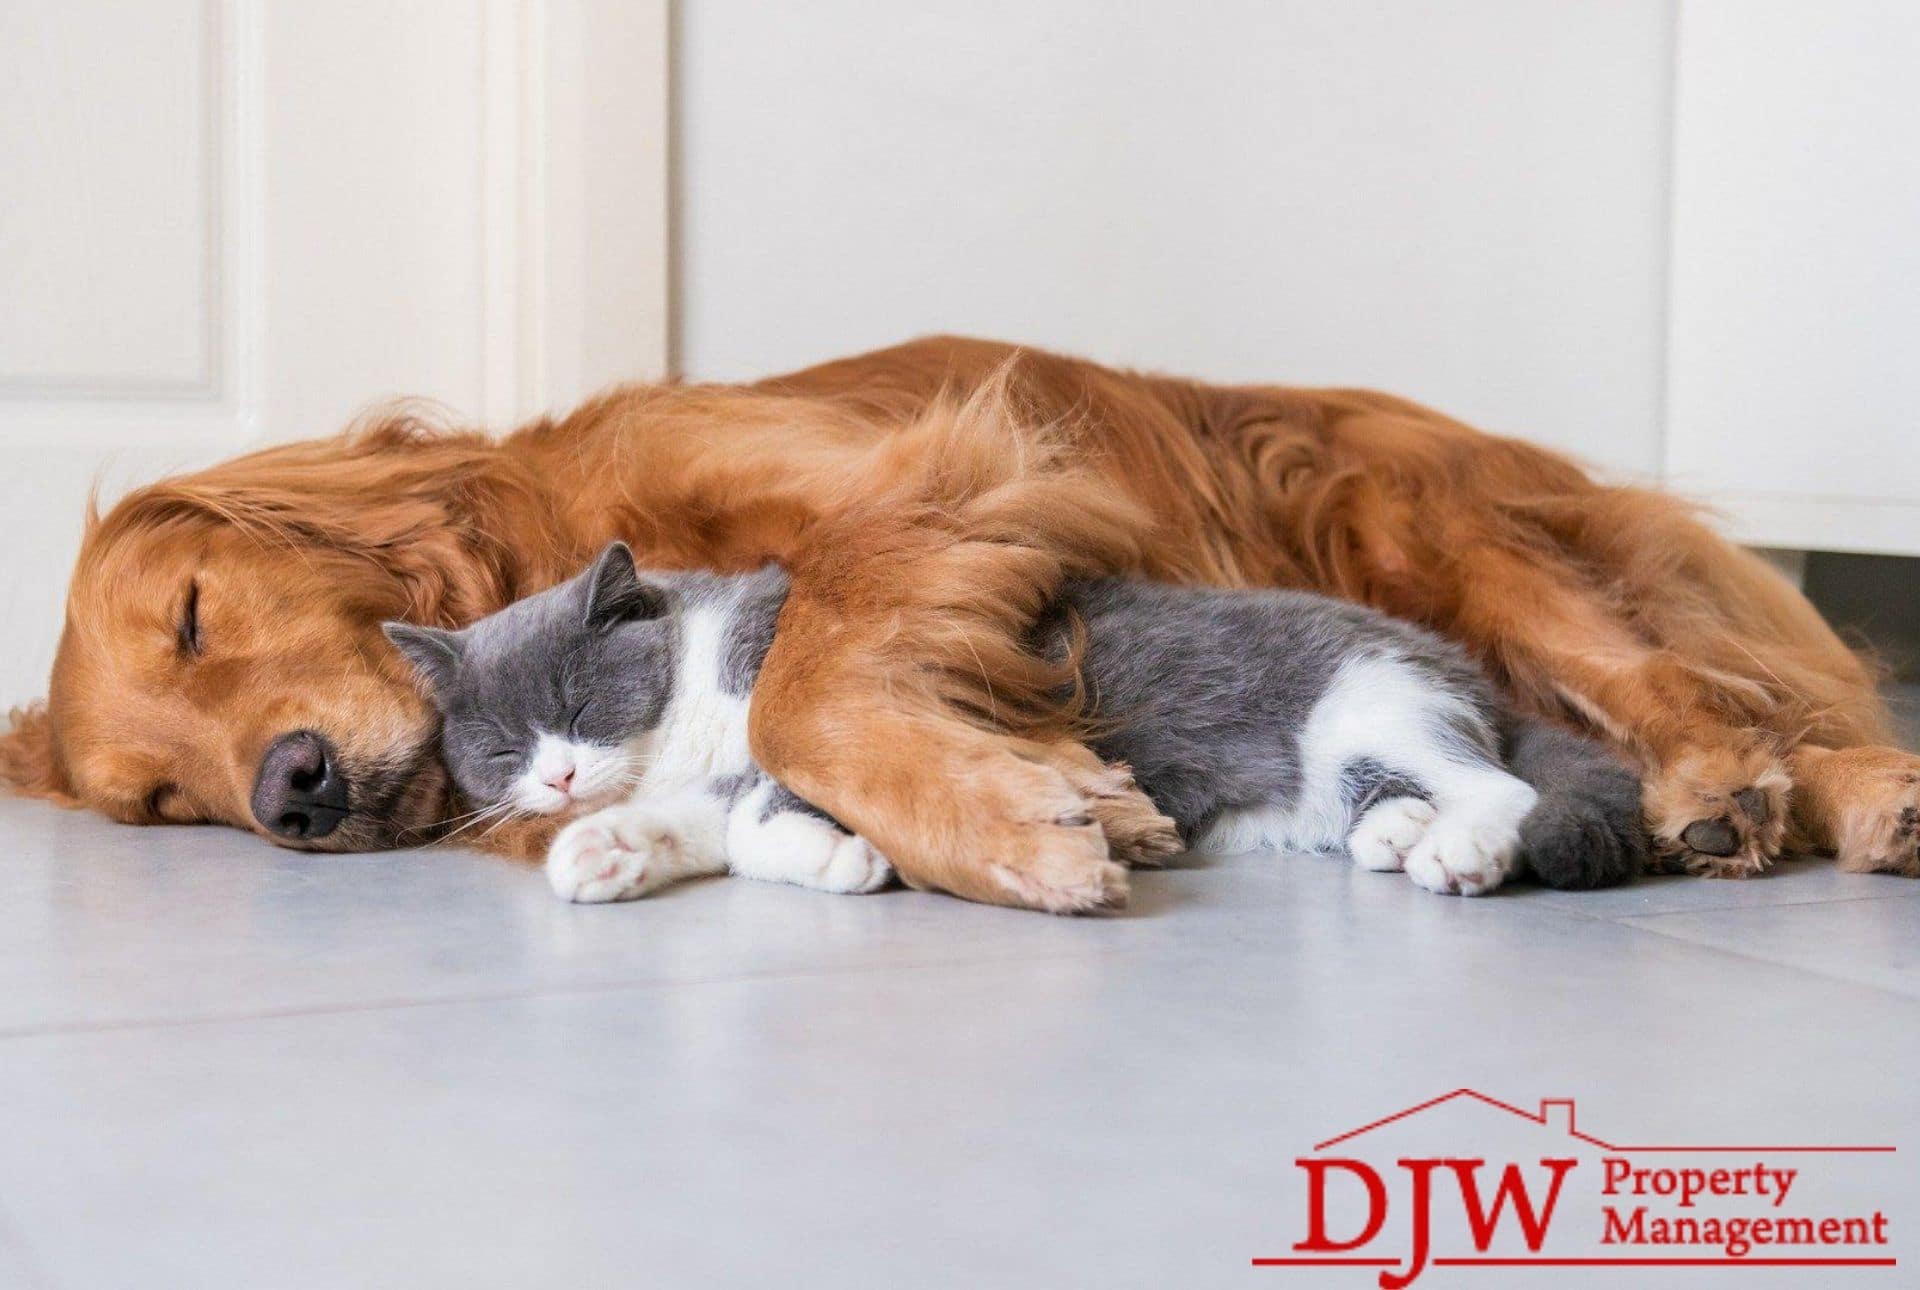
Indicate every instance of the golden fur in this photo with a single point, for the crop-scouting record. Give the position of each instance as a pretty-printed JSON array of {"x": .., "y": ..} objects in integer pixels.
[{"x": 928, "y": 499}]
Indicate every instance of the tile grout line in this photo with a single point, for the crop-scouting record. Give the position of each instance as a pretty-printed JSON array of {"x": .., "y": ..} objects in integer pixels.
[
  {"x": 583, "y": 989},
  {"x": 1745, "y": 957},
  {"x": 1776, "y": 904}
]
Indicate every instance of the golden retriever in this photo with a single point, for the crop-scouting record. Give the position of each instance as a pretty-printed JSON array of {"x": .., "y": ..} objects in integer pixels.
[{"x": 222, "y": 658}]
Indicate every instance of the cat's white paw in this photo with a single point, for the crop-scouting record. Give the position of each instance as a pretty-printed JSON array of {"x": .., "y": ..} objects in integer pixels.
[
  {"x": 1465, "y": 854},
  {"x": 803, "y": 849},
  {"x": 1387, "y": 831},
  {"x": 615, "y": 854},
  {"x": 852, "y": 865}
]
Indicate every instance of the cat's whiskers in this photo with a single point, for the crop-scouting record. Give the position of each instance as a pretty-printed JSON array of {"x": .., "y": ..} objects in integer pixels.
[
  {"x": 494, "y": 816},
  {"x": 629, "y": 770},
  {"x": 441, "y": 830},
  {"x": 511, "y": 814},
  {"x": 468, "y": 828},
  {"x": 463, "y": 818}
]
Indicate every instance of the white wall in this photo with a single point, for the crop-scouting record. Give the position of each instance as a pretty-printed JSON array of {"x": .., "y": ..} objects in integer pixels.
[{"x": 1465, "y": 202}]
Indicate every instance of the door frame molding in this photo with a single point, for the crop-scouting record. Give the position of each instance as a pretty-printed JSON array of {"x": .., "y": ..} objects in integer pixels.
[{"x": 576, "y": 174}]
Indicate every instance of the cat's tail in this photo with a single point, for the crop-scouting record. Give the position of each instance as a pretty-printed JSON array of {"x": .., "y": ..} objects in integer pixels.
[{"x": 1587, "y": 829}]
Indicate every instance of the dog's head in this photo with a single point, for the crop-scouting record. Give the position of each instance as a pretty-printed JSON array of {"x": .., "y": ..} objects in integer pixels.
[{"x": 222, "y": 658}]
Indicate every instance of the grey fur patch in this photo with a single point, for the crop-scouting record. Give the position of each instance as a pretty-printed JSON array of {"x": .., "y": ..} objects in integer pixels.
[
  {"x": 1364, "y": 781},
  {"x": 1587, "y": 830},
  {"x": 750, "y": 628},
  {"x": 784, "y": 801},
  {"x": 731, "y": 788}
]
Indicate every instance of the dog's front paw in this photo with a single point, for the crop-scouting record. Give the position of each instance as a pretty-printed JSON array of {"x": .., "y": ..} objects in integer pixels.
[
  {"x": 1047, "y": 850},
  {"x": 1864, "y": 806},
  {"x": 615, "y": 854},
  {"x": 1137, "y": 833}
]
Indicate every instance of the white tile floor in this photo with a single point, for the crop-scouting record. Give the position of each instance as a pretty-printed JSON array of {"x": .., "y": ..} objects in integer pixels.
[{"x": 227, "y": 1066}]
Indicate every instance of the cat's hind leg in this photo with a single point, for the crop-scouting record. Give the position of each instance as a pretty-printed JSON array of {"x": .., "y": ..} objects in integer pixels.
[
  {"x": 776, "y": 836},
  {"x": 1473, "y": 844},
  {"x": 1426, "y": 730},
  {"x": 1449, "y": 812},
  {"x": 1387, "y": 831}
]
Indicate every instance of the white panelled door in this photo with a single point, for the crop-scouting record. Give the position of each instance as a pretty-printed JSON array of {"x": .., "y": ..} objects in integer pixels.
[{"x": 228, "y": 222}]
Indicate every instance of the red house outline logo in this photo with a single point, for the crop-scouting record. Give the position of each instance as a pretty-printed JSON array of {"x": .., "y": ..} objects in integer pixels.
[
  {"x": 1560, "y": 1114},
  {"x": 1549, "y": 1108}
]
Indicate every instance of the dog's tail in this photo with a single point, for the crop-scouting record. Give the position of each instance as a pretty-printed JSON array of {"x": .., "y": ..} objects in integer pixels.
[{"x": 1587, "y": 829}]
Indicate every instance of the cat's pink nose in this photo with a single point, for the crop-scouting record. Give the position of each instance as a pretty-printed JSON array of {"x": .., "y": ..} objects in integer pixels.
[{"x": 561, "y": 781}]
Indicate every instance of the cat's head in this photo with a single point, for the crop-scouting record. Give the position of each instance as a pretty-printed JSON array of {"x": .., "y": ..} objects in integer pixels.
[{"x": 537, "y": 701}]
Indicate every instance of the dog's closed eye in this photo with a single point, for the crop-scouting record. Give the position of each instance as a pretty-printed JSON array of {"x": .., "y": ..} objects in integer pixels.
[{"x": 187, "y": 632}]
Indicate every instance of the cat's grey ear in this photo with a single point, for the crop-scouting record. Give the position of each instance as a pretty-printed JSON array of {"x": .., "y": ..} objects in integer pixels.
[
  {"x": 616, "y": 593},
  {"x": 434, "y": 652}
]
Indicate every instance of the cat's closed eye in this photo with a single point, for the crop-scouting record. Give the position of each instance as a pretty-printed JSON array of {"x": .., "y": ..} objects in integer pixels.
[
  {"x": 501, "y": 754},
  {"x": 573, "y": 722}
]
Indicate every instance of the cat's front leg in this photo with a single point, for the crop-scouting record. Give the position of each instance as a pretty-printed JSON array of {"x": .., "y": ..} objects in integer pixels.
[
  {"x": 775, "y": 836},
  {"x": 624, "y": 852}
]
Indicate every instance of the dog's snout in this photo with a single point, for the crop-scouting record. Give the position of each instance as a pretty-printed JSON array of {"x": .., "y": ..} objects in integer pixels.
[{"x": 300, "y": 792}]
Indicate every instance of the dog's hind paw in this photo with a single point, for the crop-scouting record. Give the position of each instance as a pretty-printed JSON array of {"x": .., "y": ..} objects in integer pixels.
[{"x": 1718, "y": 812}]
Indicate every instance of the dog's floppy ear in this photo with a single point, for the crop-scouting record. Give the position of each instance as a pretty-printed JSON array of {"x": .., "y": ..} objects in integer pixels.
[
  {"x": 455, "y": 525},
  {"x": 29, "y": 762},
  {"x": 434, "y": 652},
  {"x": 616, "y": 593}
]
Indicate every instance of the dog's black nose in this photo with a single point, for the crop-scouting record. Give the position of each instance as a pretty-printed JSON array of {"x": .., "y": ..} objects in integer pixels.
[{"x": 301, "y": 790}]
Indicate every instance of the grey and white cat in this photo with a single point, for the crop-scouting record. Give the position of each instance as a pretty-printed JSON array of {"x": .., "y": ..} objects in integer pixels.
[
  {"x": 630, "y": 694},
  {"x": 1252, "y": 718}
]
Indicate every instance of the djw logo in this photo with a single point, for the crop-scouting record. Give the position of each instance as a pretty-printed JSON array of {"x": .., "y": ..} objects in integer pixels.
[{"x": 1531, "y": 1206}]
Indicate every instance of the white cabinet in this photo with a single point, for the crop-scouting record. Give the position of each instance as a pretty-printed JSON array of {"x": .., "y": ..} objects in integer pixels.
[
  {"x": 1794, "y": 369},
  {"x": 1677, "y": 238}
]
